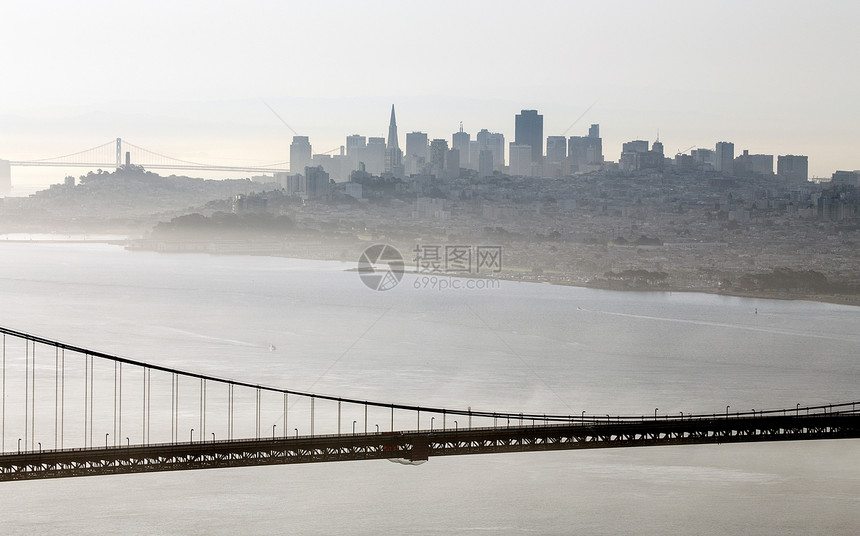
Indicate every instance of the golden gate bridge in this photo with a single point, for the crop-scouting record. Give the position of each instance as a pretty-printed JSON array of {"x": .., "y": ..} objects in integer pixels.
[
  {"x": 118, "y": 153},
  {"x": 71, "y": 411}
]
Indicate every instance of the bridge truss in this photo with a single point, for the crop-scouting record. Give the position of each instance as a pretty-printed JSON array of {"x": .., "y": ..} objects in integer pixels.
[{"x": 64, "y": 399}]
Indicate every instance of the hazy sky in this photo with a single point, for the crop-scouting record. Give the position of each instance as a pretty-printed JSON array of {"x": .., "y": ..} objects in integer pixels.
[{"x": 189, "y": 78}]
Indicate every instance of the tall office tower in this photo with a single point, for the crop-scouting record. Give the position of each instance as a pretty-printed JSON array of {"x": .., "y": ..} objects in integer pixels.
[
  {"x": 355, "y": 145},
  {"x": 485, "y": 163},
  {"x": 374, "y": 155},
  {"x": 556, "y": 149},
  {"x": 452, "y": 164},
  {"x": 751, "y": 165},
  {"x": 793, "y": 167},
  {"x": 316, "y": 182},
  {"x": 393, "y": 154},
  {"x": 521, "y": 159},
  {"x": 630, "y": 154},
  {"x": 494, "y": 142},
  {"x": 594, "y": 131},
  {"x": 300, "y": 154},
  {"x": 474, "y": 154},
  {"x": 529, "y": 131},
  {"x": 635, "y": 146},
  {"x": 460, "y": 141},
  {"x": 583, "y": 151},
  {"x": 416, "y": 144},
  {"x": 438, "y": 154},
  {"x": 416, "y": 152},
  {"x": 725, "y": 157}
]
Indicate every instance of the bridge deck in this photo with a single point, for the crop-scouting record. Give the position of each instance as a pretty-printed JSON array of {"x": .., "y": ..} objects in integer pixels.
[{"x": 417, "y": 446}]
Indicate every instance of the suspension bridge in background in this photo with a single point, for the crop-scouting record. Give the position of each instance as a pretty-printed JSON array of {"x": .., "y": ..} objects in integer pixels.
[
  {"x": 118, "y": 153},
  {"x": 70, "y": 411}
]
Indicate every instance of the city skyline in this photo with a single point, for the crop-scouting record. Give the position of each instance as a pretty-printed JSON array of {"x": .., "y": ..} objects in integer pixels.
[{"x": 771, "y": 80}]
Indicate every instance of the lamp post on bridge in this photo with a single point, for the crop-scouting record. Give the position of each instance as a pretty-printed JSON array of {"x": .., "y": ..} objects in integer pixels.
[
  {"x": 106, "y": 439},
  {"x": 353, "y": 427},
  {"x": 655, "y": 413},
  {"x": 192, "y": 436},
  {"x": 727, "y": 411}
]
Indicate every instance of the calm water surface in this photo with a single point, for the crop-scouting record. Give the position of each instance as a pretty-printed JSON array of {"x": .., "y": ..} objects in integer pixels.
[{"x": 520, "y": 347}]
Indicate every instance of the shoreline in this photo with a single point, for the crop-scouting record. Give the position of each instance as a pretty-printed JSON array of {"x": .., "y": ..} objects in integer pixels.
[{"x": 266, "y": 250}]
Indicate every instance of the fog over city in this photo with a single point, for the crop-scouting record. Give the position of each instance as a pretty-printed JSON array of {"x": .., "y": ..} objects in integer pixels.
[
  {"x": 576, "y": 267},
  {"x": 188, "y": 79}
]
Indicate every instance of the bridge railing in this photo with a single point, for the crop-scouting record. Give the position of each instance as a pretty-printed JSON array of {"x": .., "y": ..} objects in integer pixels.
[{"x": 57, "y": 395}]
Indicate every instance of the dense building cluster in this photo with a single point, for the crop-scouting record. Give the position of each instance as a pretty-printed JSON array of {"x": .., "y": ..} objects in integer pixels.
[{"x": 526, "y": 156}]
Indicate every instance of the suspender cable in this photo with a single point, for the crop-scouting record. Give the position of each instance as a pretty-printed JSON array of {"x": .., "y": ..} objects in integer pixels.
[
  {"x": 56, "y": 396},
  {"x": 3, "y": 420},
  {"x": 86, "y": 388},
  {"x": 119, "y": 419},
  {"x": 62, "y": 395},
  {"x": 33, "y": 405},
  {"x": 258, "y": 414},
  {"x": 92, "y": 395},
  {"x": 172, "y": 405},
  {"x": 27, "y": 390},
  {"x": 115, "y": 364},
  {"x": 148, "y": 401}
]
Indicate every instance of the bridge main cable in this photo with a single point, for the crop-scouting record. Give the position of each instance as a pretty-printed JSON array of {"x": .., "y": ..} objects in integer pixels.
[
  {"x": 543, "y": 417},
  {"x": 206, "y": 377}
]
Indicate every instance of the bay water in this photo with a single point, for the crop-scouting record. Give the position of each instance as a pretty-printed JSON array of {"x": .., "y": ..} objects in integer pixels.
[{"x": 519, "y": 347}]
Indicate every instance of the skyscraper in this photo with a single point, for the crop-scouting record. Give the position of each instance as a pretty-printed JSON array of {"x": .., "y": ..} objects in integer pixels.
[
  {"x": 355, "y": 145},
  {"x": 373, "y": 155},
  {"x": 725, "y": 157},
  {"x": 521, "y": 159},
  {"x": 556, "y": 149},
  {"x": 793, "y": 167},
  {"x": 460, "y": 141},
  {"x": 529, "y": 131},
  {"x": 416, "y": 152},
  {"x": 300, "y": 154},
  {"x": 495, "y": 143},
  {"x": 438, "y": 155},
  {"x": 393, "y": 154},
  {"x": 416, "y": 144}
]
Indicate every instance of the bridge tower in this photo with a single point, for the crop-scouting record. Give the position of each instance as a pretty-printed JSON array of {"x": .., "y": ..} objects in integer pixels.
[{"x": 118, "y": 153}]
